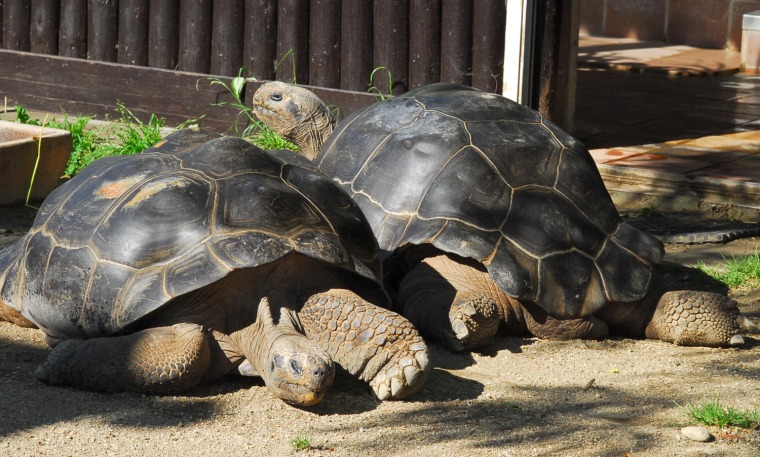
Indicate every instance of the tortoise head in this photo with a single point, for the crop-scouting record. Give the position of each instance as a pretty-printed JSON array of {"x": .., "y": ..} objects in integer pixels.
[
  {"x": 298, "y": 374},
  {"x": 294, "y": 368},
  {"x": 296, "y": 114}
]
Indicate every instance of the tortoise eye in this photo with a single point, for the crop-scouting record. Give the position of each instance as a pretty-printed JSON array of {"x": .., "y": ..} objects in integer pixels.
[{"x": 276, "y": 97}]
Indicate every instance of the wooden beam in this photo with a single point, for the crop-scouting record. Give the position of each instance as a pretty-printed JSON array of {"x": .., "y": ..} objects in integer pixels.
[
  {"x": 558, "y": 62},
  {"x": 44, "y": 27},
  {"x": 163, "y": 34},
  {"x": 424, "y": 42},
  {"x": 391, "y": 48},
  {"x": 16, "y": 20},
  {"x": 72, "y": 41},
  {"x": 324, "y": 43},
  {"x": 85, "y": 87}
]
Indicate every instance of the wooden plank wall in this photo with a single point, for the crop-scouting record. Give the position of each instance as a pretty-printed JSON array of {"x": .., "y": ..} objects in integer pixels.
[{"x": 326, "y": 43}]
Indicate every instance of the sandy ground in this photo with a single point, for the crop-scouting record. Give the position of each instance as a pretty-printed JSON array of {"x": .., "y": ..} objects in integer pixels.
[{"x": 522, "y": 397}]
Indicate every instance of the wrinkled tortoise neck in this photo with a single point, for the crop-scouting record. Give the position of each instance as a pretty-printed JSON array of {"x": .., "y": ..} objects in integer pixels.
[{"x": 316, "y": 126}]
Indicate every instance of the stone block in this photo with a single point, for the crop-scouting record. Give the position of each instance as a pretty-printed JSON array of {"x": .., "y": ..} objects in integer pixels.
[{"x": 19, "y": 144}]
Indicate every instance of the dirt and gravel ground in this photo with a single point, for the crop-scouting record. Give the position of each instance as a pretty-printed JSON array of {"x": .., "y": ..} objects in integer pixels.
[{"x": 522, "y": 397}]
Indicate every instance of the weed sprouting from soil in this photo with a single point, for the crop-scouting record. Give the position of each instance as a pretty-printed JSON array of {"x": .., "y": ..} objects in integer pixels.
[
  {"x": 712, "y": 412},
  {"x": 737, "y": 272},
  {"x": 129, "y": 137},
  {"x": 300, "y": 443}
]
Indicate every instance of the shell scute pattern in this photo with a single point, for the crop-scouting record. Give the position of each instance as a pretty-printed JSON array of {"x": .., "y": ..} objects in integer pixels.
[
  {"x": 483, "y": 177},
  {"x": 526, "y": 154},
  {"x": 176, "y": 206},
  {"x": 571, "y": 278},
  {"x": 542, "y": 223},
  {"x": 361, "y": 148},
  {"x": 89, "y": 267},
  {"x": 450, "y": 195},
  {"x": 413, "y": 168}
]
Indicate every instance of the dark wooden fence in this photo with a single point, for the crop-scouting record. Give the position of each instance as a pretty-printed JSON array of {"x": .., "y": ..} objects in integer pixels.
[{"x": 326, "y": 43}]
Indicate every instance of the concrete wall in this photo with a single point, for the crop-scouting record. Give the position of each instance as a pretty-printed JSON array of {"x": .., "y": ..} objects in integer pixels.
[{"x": 714, "y": 24}]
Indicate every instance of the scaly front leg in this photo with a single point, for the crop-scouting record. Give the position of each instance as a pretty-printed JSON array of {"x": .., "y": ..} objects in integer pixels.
[{"x": 370, "y": 342}]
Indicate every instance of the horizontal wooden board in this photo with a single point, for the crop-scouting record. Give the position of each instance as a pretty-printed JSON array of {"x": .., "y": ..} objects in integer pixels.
[{"x": 92, "y": 88}]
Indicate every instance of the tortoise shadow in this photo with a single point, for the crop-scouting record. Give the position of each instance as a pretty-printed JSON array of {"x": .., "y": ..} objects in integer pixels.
[
  {"x": 29, "y": 403},
  {"x": 350, "y": 396}
]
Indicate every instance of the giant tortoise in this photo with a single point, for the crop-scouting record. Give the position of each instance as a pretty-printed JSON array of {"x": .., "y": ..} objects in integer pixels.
[
  {"x": 495, "y": 217},
  {"x": 201, "y": 256}
]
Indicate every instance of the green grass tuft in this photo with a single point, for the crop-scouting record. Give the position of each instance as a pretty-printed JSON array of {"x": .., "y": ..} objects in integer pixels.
[
  {"x": 650, "y": 211},
  {"x": 131, "y": 137},
  {"x": 712, "y": 412},
  {"x": 373, "y": 87},
  {"x": 739, "y": 271},
  {"x": 265, "y": 138},
  {"x": 300, "y": 443},
  {"x": 84, "y": 142}
]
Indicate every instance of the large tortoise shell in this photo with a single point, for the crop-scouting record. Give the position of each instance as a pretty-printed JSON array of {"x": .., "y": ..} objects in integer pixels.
[
  {"x": 128, "y": 234},
  {"x": 480, "y": 176}
]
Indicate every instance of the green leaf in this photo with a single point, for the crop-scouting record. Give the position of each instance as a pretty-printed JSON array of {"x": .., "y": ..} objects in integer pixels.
[{"x": 238, "y": 85}]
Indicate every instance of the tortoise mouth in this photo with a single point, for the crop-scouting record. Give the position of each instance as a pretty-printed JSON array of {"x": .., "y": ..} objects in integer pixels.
[
  {"x": 300, "y": 395},
  {"x": 262, "y": 108}
]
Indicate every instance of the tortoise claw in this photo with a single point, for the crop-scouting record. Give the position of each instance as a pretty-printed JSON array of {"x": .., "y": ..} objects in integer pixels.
[
  {"x": 403, "y": 375},
  {"x": 474, "y": 321},
  {"x": 736, "y": 340}
]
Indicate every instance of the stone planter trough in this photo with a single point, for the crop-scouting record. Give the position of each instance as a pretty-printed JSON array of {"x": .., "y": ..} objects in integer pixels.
[{"x": 18, "y": 154}]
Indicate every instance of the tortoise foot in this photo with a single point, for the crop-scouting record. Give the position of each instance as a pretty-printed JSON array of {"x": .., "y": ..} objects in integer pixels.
[
  {"x": 371, "y": 343},
  {"x": 474, "y": 323},
  {"x": 693, "y": 318},
  {"x": 404, "y": 371}
]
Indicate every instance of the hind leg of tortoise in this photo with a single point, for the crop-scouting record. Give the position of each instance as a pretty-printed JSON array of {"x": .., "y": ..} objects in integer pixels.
[
  {"x": 537, "y": 322},
  {"x": 9, "y": 314},
  {"x": 440, "y": 290},
  {"x": 451, "y": 302},
  {"x": 369, "y": 342},
  {"x": 692, "y": 318},
  {"x": 156, "y": 360}
]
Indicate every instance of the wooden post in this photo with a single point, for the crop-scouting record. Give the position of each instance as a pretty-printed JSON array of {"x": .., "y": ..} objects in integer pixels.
[
  {"x": 293, "y": 41},
  {"x": 260, "y": 43},
  {"x": 456, "y": 41},
  {"x": 424, "y": 42},
  {"x": 194, "y": 31},
  {"x": 488, "y": 47},
  {"x": 102, "y": 28},
  {"x": 324, "y": 43},
  {"x": 356, "y": 45},
  {"x": 391, "y": 45},
  {"x": 44, "y": 27},
  {"x": 72, "y": 41},
  {"x": 16, "y": 21},
  {"x": 558, "y": 62},
  {"x": 163, "y": 34},
  {"x": 227, "y": 37},
  {"x": 133, "y": 32}
]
